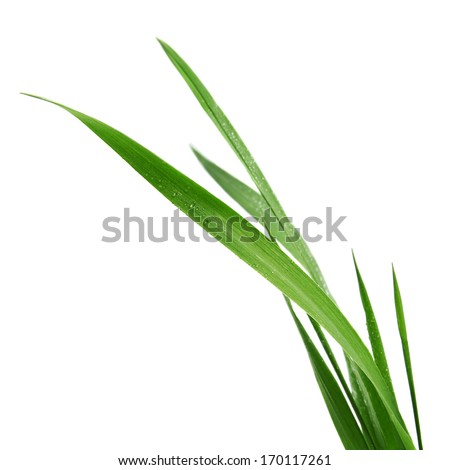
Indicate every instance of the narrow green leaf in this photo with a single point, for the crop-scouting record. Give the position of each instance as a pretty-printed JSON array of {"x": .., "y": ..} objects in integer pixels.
[
  {"x": 299, "y": 249},
  {"x": 406, "y": 355},
  {"x": 245, "y": 196},
  {"x": 236, "y": 143},
  {"x": 249, "y": 199},
  {"x": 385, "y": 435},
  {"x": 343, "y": 419},
  {"x": 262, "y": 255},
  {"x": 373, "y": 330}
]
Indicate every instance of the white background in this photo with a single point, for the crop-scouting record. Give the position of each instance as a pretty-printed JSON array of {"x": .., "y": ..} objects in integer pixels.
[{"x": 136, "y": 349}]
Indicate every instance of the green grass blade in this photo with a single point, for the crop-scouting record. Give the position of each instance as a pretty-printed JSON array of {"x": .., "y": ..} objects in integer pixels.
[
  {"x": 245, "y": 196},
  {"x": 262, "y": 255},
  {"x": 373, "y": 330},
  {"x": 343, "y": 419},
  {"x": 234, "y": 140},
  {"x": 249, "y": 199},
  {"x": 406, "y": 355},
  {"x": 383, "y": 432},
  {"x": 256, "y": 206},
  {"x": 300, "y": 250}
]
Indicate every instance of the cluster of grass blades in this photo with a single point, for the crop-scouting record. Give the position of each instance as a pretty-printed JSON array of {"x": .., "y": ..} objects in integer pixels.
[{"x": 363, "y": 408}]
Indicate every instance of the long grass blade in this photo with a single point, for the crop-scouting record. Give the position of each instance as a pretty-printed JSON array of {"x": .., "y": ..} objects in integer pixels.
[
  {"x": 261, "y": 254},
  {"x": 385, "y": 436},
  {"x": 343, "y": 419},
  {"x": 373, "y": 330},
  {"x": 406, "y": 355},
  {"x": 249, "y": 199},
  {"x": 230, "y": 134},
  {"x": 300, "y": 249}
]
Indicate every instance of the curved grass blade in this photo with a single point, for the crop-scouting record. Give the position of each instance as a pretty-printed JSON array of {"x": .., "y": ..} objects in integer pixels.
[
  {"x": 385, "y": 435},
  {"x": 300, "y": 248},
  {"x": 249, "y": 199},
  {"x": 257, "y": 207},
  {"x": 234, "y": 140},
  {"x": 262, "y": 255},
  {"x": 373, "y": 330},
  {"x": 406, "y": 355},
  {"x": 343, "y": 419},
  {"x": 245, "y": 196}
]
